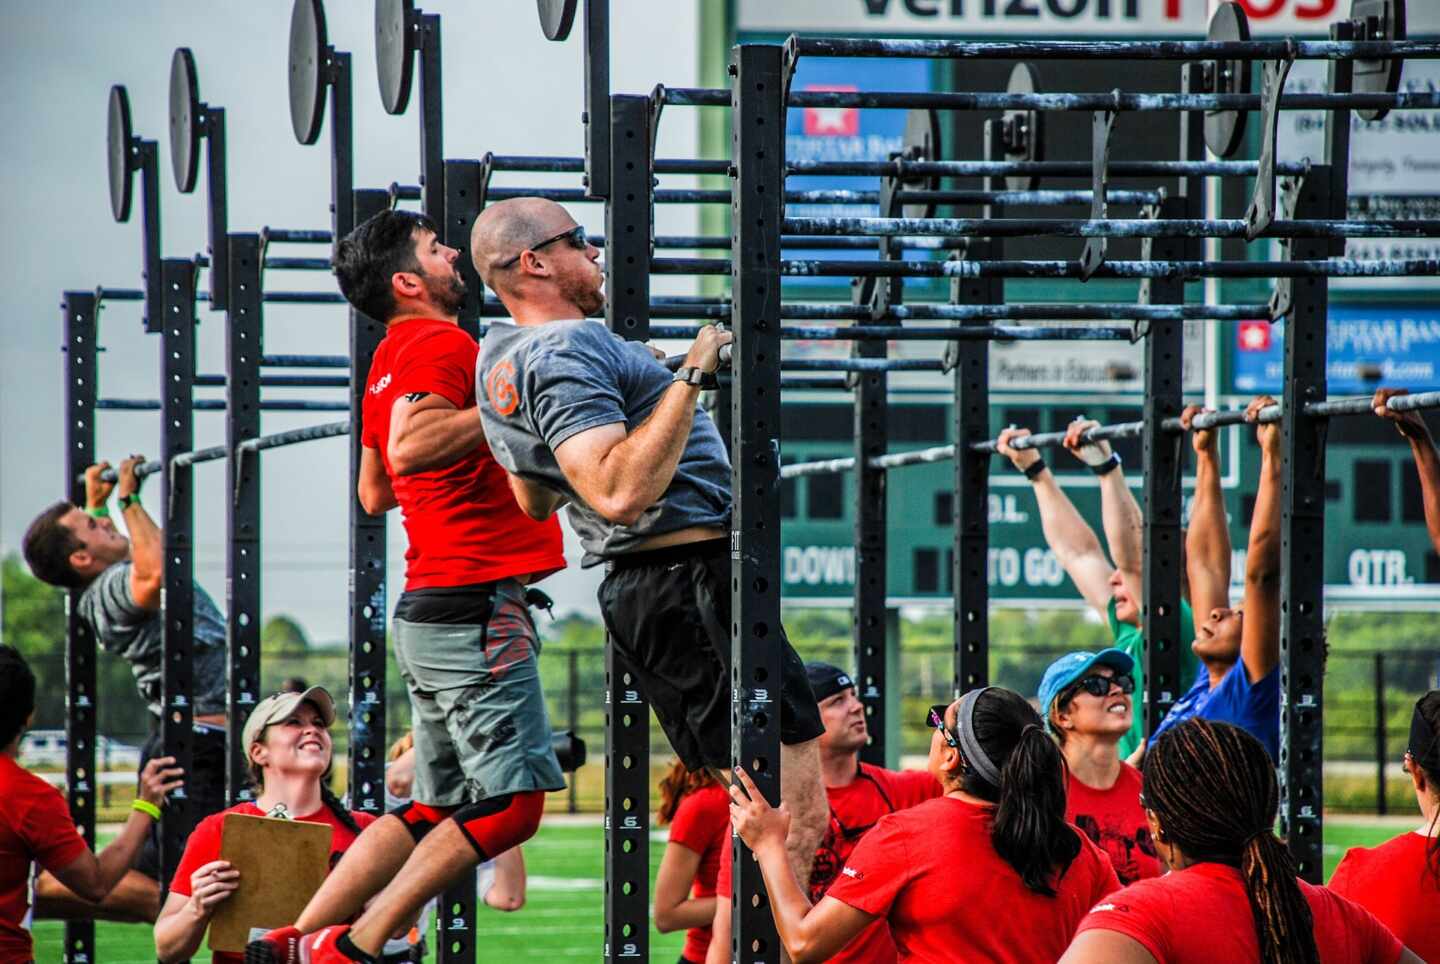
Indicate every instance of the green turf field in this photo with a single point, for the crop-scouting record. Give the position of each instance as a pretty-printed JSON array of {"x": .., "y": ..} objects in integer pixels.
[{"x": 562, "y": 917}]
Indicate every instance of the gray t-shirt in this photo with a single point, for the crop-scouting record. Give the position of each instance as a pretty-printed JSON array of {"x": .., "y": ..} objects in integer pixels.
[
  {"x": 538, "y": 385},
  {"x": 132, "y": 633}
]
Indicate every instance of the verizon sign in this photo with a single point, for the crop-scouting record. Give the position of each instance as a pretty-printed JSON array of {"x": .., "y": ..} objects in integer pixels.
[{"x": 1057, "y": 18}]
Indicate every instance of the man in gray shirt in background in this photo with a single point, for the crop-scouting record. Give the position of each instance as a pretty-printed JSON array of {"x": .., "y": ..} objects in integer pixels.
[
  {"x": 580, "y": 417},
  {"x": 120, "y": 581}
]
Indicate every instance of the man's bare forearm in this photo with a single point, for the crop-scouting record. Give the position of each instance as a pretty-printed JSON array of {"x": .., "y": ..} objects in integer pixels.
[
  {"x": 147, "y": 543},
  {"x": 1427, "y": 463},
  {"x": 1208, "y": 541},
  {"x": 1124, "y": 525},
  {"x": 537, "y": 500},
  {"x": 1066, "y": 531},
  {"x": 435, "y": 439},
  {"x": 638, "y": 470}
]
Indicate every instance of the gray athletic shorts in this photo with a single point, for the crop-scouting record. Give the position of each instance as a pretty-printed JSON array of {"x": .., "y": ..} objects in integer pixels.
[{"x": 481, "y": 727}]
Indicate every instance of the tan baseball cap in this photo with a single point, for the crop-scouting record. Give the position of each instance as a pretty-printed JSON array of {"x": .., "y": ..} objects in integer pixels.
[{"x": 275, "y": 708}]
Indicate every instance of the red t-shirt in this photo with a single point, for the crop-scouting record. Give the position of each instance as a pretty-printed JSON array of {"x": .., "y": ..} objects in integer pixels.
[
  {"x": 702, "y": 824},
  {"x": 1392, "y": 882},
  {"x": 1114, "y": 820},
  {"x": 854, "y": 810},
  {"x": 934, "y": 874},
  {"x": 462, "y": 521},
  {"x": 35, "y": 825},
  {"x": 204, "y": 846},
  {"x": 1200, "y": 915}
]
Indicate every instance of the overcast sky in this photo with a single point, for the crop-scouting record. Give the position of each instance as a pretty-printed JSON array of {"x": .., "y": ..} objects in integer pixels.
[{"x": 507, "y": 90}]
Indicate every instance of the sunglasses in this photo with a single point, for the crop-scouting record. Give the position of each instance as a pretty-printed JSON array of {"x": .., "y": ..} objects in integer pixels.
[
  {"x": 937, "y": 720},
  {"x": 575, "y": 237},
  {"x": 1097, "y": 685}
]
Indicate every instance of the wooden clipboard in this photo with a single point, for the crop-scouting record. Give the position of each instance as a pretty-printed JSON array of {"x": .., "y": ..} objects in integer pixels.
[{"x": 281, "y": 862}]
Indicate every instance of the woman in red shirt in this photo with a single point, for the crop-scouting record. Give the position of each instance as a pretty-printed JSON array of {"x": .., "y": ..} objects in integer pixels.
[
  {"x": 1399, "y": 881},
  {"x": 1085, "y": 699},
  {"x": 1232, "y": 894},
  {"x": 287, "y": 739},
  {"x": 988, "y": 872},
  {"x": 697, "y": 808}
]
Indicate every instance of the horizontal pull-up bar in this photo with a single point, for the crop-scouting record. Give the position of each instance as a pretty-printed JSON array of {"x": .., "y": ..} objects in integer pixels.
[
  {"x": 282, "y": 381},
  {"x": 1110, "y": 228},
  {"x": 1127, "y": 50},
  {"x": 270, "y": 235},
  {"x": 902, "y": 168},
  {"x": 218, "y": 405},
  {"x": 305, "y": 361},
  {"x": 216, "y": 452},
  {"x": 1330, "y": 268}
]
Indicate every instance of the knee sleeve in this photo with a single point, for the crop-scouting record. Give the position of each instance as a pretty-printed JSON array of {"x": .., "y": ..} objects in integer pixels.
[
  {"x": 420, "y": 818},
  {"x": 494, "y": 826}
]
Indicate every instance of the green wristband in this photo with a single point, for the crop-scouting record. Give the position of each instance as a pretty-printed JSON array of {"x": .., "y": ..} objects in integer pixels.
[
  {"x": 126, "y": 501},
  {"x": 99, "y": 511},
  {"x": 146, "y": 807}
]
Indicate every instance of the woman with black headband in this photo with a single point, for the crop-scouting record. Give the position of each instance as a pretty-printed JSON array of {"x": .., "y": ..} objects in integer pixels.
[
  {"x": 1399, "y": 881},
  {"x": 1232, "y": 895},
  {"x": 988, "y": 872}
]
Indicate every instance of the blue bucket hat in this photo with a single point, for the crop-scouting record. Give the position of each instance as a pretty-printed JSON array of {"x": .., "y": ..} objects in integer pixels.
[{"x": 1070, "y": 667}]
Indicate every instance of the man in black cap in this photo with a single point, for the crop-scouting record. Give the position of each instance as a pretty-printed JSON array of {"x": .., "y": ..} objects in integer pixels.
[{"x": 859, "y": 794}]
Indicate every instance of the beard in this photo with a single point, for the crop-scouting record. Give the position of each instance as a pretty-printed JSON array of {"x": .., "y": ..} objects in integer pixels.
[
  {"x": 446, "y": 294},
  {"x": 583, "y": 293}
]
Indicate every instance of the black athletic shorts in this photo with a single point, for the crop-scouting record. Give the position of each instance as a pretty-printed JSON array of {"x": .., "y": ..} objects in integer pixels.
[
  {"x": 668, "y": 613},
  {"x": 204, "y": 786}
]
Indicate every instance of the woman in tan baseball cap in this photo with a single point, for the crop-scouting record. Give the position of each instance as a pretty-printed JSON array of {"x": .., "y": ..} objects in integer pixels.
[{"x": 287, "y": 740}]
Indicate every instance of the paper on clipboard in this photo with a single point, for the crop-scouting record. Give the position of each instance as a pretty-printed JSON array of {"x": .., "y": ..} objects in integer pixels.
[{"x": 282, "y": 864}]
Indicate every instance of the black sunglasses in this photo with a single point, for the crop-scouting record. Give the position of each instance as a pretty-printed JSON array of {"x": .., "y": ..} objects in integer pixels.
[
  {"x": 937, "y": 720},
  {"x": 575, "y": 236},
  {"x": 1097, "y": 685}
]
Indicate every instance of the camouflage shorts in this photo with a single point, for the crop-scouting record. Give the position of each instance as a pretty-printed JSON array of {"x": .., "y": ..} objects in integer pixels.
[{"x": 481, "y": 727}]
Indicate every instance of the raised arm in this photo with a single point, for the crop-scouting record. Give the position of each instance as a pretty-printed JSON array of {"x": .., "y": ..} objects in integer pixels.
[
  {"x": 1119, "y": 512},
  {"x": 147, "y": 540},
  {"x": 1427, "y": 458},
  {"x": 428, "y": 432},
  {"x": 1207, "y": 542},
  {"x": 373, "y": 487},
  {"x": 1066, "y": 531},
  {"x": 1260, "y": 633},
  {"x": 620, "y": 475}
]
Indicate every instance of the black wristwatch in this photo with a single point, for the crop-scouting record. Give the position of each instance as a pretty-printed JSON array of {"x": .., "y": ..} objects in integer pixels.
[{"x": 698, "y": 377}]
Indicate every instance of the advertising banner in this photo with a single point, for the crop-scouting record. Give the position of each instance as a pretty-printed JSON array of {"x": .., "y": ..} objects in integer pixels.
[{"x": 1368, "y": 346}]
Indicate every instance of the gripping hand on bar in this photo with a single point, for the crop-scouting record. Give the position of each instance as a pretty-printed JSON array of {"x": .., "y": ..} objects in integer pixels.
[{"x": 710, "y": 352}]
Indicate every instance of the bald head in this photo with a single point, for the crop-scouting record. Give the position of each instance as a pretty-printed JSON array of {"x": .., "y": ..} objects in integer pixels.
[{"x": 506, "y": 228}]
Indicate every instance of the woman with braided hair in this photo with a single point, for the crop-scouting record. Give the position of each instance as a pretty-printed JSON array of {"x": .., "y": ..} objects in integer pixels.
[
  {"x": 1210, "y": 797},
  {"x": 1399, "y": 881},
  {"x": 990, "y": 871}
]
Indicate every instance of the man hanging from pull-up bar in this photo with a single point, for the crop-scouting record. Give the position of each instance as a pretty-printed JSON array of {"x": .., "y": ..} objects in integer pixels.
[
  {"x": 120, "y": 580},
  {"x": 578, "y": 415},
  {"x": 1113, "y": 590},
  {"x": 463, "y": 637}
]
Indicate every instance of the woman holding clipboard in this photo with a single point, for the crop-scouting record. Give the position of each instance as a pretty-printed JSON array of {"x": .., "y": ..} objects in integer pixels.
[{"x": 287, "y": 739}]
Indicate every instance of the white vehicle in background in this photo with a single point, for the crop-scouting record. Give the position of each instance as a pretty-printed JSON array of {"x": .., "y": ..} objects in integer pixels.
[{"x": 46, "y": 748}]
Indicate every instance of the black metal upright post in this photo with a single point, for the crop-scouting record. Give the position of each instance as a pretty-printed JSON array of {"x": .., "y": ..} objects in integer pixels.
[
  {"x": 597, "y": 98},
  {"x": 218, "y": 209},
  {"x": 1302, "y": 541},
  {"x": 628, "y": 227},
  {"x": 756, "y": 215},
  {"x": 868, "y": 624},
  {"x": 342, "y": 145},
  {"x": 80, "y": 311},
  {"x": 177, "y": 611},
  {"x": 462, "y": 206},
  {"x": 367, "y": 577},
  {"x": 150, "y": 228},
  {"x": 432, "y": 121},
  {"x": 1162, "y": 464},
  {"x": 243, "y": 330}
]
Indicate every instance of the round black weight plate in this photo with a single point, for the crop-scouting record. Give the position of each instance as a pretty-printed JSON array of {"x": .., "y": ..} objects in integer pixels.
[
  {"x": 1023, "y": 134},
  {"x": 1225, "y": 129},
  {"x": 922, "y": 143},
  {"x": 1378, "y": 76},
  {"x": 184, "y": 120},
  {"x": 118, "y": 154},
  {"x": 394, "y": 52},
  {"x": 556, "y": 17},
  {"x": 307, "y": 57}
]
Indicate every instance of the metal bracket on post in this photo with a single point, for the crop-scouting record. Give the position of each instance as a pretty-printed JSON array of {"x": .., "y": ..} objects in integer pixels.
[
  {"x": 1162, "y": 462},
  {"x": 596, "y": 117},
  {"x": 1102, "y": 125},
  {"x": 1262, "y": 204},
  {"x": 367, "y": 575},
  {"x": 177, "y": 611},
  {"x": 758, "y": 210},
  {"x": 244, "y": 328},
  {"x": 1302, "y": 546},
  {"x": 628, "y": 230},
  {"x": 80, "y": 312}
]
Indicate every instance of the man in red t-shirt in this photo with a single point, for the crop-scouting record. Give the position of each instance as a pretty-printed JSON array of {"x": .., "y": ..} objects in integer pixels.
[
  {"x": 859, "y": 794},
  {"x": 35, "y": 822},
  {"x": 464, "y": 640}
]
